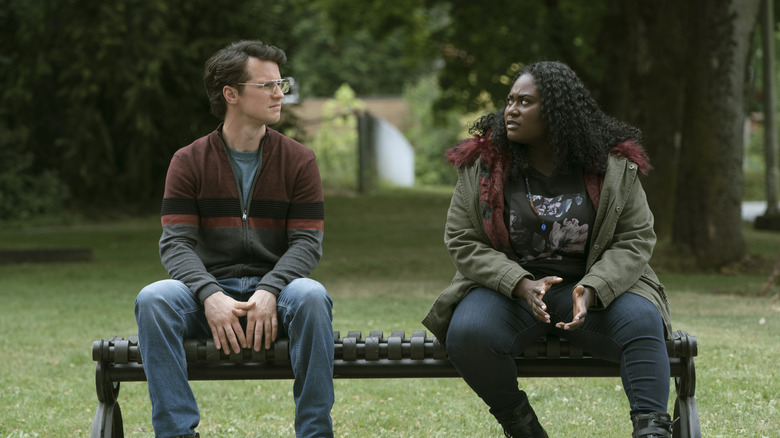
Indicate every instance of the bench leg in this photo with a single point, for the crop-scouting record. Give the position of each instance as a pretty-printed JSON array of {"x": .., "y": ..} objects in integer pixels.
[
  {"x": 108, "y": 415},
  {"x": 685, "y": 409},
  {"x": 688, "y": 424},
  {"x": 108, "y": 421}
]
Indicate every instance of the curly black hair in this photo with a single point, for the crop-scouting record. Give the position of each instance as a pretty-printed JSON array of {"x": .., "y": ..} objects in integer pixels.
[{"x": 580, "y": 134}]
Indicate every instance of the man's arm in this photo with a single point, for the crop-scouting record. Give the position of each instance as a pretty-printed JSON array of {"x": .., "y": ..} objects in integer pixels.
[{"x": 180, "y": 219}]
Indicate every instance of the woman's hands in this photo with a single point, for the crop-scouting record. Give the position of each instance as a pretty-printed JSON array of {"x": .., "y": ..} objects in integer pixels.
[
  {"x": 532, "y": 291},
  {"x": 583, "y": 298}
]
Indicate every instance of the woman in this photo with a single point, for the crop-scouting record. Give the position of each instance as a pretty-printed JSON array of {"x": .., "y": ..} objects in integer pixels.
[{"x": 550, "y": 231}]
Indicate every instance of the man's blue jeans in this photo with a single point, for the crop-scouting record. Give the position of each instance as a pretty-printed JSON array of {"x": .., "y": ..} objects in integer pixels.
[
  {"x": 168, "y": 312},
  {"x": 488, "y": 329}
]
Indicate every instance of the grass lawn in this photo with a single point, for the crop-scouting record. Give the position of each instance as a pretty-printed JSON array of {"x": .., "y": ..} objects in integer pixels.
[{"x": 384, "y": 264}]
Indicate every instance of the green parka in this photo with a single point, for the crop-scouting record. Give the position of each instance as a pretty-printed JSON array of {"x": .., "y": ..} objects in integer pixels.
[{"x": 622, "y": 243}]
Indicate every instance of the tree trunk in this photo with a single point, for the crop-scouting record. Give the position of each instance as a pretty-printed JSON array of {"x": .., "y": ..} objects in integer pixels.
[
  {"x": 707, "y": 218},
  {"x": 654, "y": 37},
  {"x": 770, "y": 124}
]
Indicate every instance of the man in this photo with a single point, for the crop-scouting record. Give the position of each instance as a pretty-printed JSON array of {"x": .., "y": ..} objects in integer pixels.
[{"x": 242, "y": 220}]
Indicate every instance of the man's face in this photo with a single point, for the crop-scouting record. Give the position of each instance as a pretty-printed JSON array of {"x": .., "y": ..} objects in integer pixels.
[{"x": 253, "y": 104}]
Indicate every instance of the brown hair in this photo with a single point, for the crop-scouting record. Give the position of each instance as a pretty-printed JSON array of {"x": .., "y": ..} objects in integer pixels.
[{"x": 228, "y": 67}]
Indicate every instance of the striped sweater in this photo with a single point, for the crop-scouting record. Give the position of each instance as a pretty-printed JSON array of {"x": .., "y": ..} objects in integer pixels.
[{"x": 208, "y": 232}]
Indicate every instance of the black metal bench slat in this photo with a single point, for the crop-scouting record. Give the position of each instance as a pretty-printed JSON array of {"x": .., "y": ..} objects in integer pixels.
[{"x": 375, "y": 356}]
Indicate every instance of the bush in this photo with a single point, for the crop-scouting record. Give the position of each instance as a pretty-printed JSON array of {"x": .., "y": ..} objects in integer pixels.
[
  {"x": 430, "y": 137},
  {"x": 336, "y": 142},
  {"x": 25, "y": 193},
  {"x": 432, "y": 132}
]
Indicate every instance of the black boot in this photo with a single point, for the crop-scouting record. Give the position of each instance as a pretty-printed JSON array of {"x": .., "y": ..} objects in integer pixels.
[
  {"x": 655, "y": 425},
  {"x": 521, "y": 422}
]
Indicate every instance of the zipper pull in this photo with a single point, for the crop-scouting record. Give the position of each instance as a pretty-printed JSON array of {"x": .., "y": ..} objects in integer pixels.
[{"x": 243, "y": 216}]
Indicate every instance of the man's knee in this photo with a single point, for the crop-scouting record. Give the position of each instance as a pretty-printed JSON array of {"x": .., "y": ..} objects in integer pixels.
[
  {"x": 308, "y": 293},
  {"x": 158, "y": 294},
  {"x": 147, "y": 298}
]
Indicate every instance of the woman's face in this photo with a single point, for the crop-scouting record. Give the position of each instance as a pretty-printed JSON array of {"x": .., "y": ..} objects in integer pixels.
[{"x": 523, "y": 115}]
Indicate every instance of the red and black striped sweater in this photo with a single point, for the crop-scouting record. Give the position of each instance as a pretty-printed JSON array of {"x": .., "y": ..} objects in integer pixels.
[{"x": 208, "y": 233}]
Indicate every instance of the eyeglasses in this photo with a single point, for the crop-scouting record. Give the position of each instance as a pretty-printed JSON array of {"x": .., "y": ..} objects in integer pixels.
[{"x": 269, "y": 87}]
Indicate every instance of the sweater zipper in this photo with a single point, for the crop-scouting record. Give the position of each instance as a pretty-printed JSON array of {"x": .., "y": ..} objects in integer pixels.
[
  {"x": 245, "y": 216},
  {"x": 243, "y": 207}
]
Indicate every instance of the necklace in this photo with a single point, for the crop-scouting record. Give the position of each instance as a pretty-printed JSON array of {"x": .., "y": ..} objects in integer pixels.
[{"x": 531, "y": 202}]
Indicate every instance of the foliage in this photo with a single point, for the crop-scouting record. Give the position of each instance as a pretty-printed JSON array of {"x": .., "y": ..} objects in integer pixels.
[
  {"x": 375, "y": 50},
  {"x": 336, "y": 142},
  {"x": 97, "y": 86},
  {"x": 429, "y": 137},
  {"x": 105, "y": 92},
  {"x": 486, "y": 43},
  {"x": 25, "y": 193}
]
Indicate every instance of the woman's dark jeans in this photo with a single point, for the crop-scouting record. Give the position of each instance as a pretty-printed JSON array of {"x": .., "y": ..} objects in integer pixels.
[{"x": 488, "y": 329}]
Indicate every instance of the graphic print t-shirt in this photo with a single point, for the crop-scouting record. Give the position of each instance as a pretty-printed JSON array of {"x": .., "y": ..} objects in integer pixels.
[{"x": 554, "y": 242}]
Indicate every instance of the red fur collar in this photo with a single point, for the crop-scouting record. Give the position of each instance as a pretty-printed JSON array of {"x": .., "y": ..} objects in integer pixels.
[
  {"x": 633, "y": 151},
  {"x": 494, "y": 173}
]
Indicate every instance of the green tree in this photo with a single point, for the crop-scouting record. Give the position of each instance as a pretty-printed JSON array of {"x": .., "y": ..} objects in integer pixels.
[
  {"x": 376, "y": 47},
  {"x": 24, "y": 192},
  {"x": 485, "y": 43},
  {"x": 101, "y": 94},
  {"x": 336, "y": 142},
  {"x": 99, "y": 86},
  {"x": 431, "y": 138}
]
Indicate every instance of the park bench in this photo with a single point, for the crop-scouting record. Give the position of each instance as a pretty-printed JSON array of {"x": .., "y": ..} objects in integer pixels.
[{"x": 374, "y": 356}]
